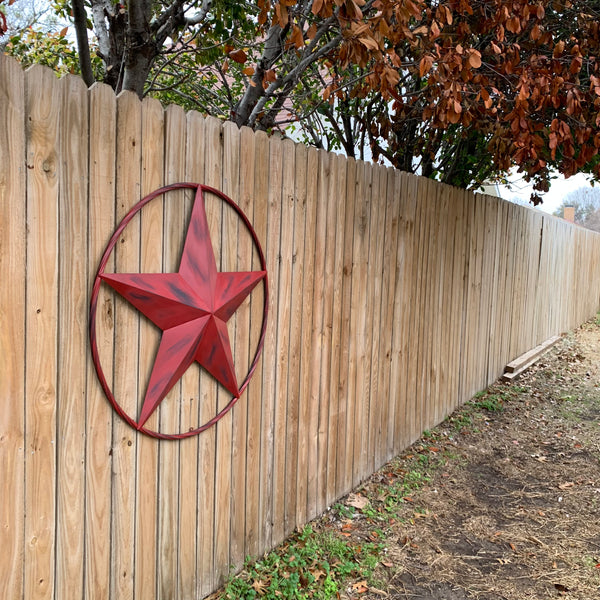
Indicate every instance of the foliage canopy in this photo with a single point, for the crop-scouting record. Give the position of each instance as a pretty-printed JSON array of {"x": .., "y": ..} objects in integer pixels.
[{"x": 457, "y": 90}]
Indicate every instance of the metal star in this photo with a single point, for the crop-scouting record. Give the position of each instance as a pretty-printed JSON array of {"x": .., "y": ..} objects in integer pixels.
[{"x": 192, "y": 308}]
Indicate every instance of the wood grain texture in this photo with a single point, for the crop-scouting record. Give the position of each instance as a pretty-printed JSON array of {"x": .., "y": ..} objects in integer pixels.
[
  {"x": 102, "y": 180},
  {"x": 306, "y": 411},
  {"x": 43, "y": 98},
  {"x": 326, "y": 402},
  {"x": 339, "y": 356},
  {"x": 151, "y": 261},
  {"x": 126, "y": 348},
  {"x": 347, "y": 377},
  {"x": 244, "y": 350},
  {"x": 281, "y": 322},
  {"x": 224, "y": 428},
  {"x": 176, "y": 218},
  {"x": 337, "y": 275},
  {"x": 12, "y": 316},
  {"x": 254, "y": 446},
  {"x": 296, "y": 323},
  {"x": 404, "y": 305},
  {"x": 208, "y": 132},
  {"x": 373, "y": 306},
  {"x": 321, "y": 334},
  {"x": 190, "y": 481},
  {"x": 358, "y": 323},
  {"x": 390, "y": 249},
  {"x": 72, "y": 336},
  {"x": 396, "y": 383},
  {"x": 269, "y": 359},
  {"x": 228, "y": 244}
]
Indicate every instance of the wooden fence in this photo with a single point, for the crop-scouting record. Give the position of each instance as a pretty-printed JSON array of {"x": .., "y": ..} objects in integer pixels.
[{"x": 392, "y": 300}]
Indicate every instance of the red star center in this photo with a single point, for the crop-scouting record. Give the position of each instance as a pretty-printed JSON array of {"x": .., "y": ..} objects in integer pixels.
[{"x": 192, "y": 308}]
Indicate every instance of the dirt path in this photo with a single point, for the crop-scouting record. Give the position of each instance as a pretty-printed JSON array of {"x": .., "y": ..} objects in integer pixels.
[{"x": 512, "y": 510}]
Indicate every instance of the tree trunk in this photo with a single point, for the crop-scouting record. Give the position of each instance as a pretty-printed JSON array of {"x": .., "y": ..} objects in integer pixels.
[
  {"x": 140, "y": 47},
  {"x": 83, "y": 47}
]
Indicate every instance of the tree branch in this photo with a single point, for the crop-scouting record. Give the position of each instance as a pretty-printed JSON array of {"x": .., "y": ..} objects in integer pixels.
[
  {"x": 83, "y": 46},
  {"x": 287, "y": 82},
  {"x": 200, "y": 15},
  {"x": 99, "y": 15}
]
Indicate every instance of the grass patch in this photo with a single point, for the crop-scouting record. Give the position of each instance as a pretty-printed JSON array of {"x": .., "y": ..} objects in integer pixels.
[
  {"x": 311, "y": 564},
  {"x": 575, "y": 408}
]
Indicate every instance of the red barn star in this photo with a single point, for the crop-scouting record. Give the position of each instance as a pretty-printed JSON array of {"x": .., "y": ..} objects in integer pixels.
[{"x": 192, "y": 308}]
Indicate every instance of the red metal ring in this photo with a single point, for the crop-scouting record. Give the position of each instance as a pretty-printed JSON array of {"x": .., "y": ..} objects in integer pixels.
[{"x": 94, "y": 301}]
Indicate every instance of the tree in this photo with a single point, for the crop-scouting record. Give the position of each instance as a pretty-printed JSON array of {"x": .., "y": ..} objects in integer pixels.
[
  {"x": 238, "y": 60},
  {"x": 482, "y": 86},
  {"x": 458, "y": 90}
]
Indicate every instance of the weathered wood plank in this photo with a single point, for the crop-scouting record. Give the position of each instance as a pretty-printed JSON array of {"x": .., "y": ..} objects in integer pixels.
[
  {"x": 176, "y": 215},
  {"x": 191, "y": 484},
  {"x": 440, "y": 315},
  {"x": 244, "y": 350},
  {"x": 203, "y": 155},
  {"x": 282, "y": 324},
  {"x": 72, "y": 335},
  {"x": 319, "y": 398},
  {"x": 347, "y": 376},
  {"x": 375, "y": 297},
  {"x": 303, "y": 505},
  {"x": 314, "y": 424},
  {"x": 336, "y": 237},
  {"x": 296, "y": 324},
  {"x": 524, "y": 361},
  {"x": 254, "y": 525},
  {"x": 404, "y": 311},
  {"x": 126, "y": 344},
  {"x": 458, "y": 294},
  {"x": 421, "y": 381},
  {"x": 12, "y": 316},
  {"x": 207, "y": 571},
  {"x": 224, "y": 428},
  {"x": 102, "y": 177},
  {"x": 390, "y": 249},
  {"x": 151, "y": 261},
  {"x": 43, "y": 166},
  {"x": 397, "y": 293},
  {"x": 358, "y": 349},
  {"x": 271, "y": 250}
]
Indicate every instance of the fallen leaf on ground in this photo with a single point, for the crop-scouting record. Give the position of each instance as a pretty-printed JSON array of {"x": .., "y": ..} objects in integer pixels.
[
  {"x": 360, "y": 587},
  {"x": 423, "y": 515},
  {"x": 566, "y": 485},
  {"x": 357, "y": 501},
  {"x": 259, "y": 586},
  {"x": 377, "y": 592}
]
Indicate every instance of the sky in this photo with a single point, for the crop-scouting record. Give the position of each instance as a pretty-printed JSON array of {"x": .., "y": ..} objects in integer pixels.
[{"x": 559, "y": 188}]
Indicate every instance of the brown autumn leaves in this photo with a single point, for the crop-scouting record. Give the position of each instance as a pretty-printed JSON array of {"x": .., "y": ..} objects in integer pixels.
[{"x": 523, "y": 74}]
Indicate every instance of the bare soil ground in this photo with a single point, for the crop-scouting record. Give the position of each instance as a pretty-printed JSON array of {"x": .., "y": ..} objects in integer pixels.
[{"x": 512, "y": 507}]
